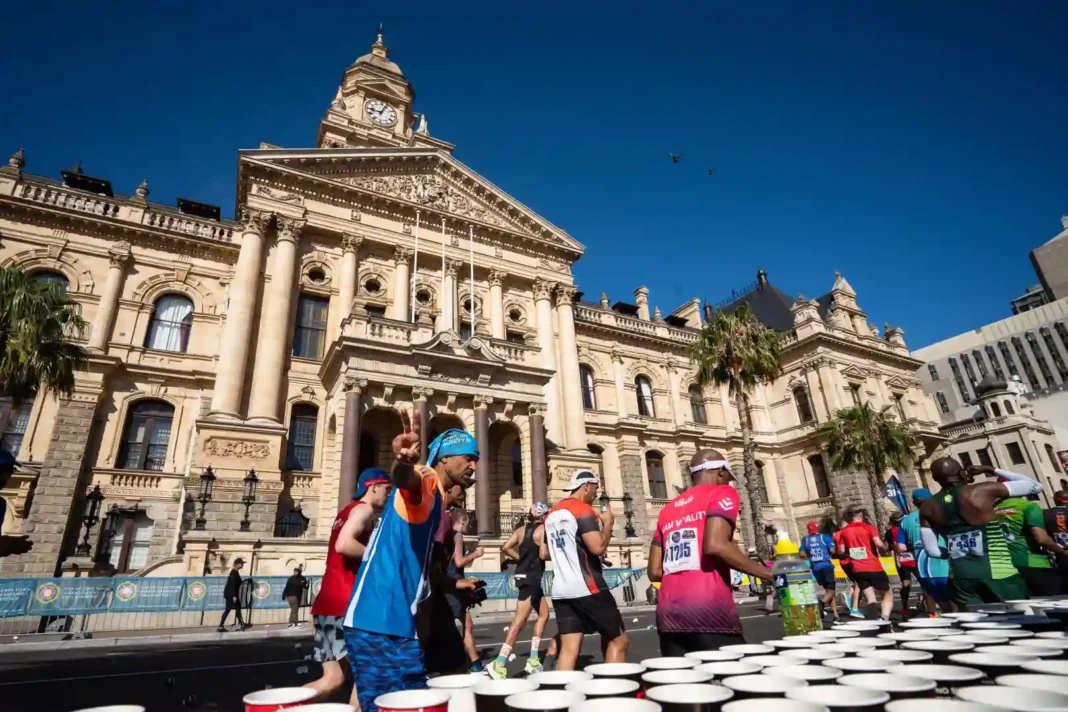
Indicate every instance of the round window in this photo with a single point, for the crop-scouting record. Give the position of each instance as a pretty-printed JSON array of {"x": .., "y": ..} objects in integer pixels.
[
  {"x": 467, "y": 306},
  {"x": 515, "y": 315},
  {"x": 317, "y": 275},
  {"x": 373, "y": 286},
  {"x": 422, "y": 296}
]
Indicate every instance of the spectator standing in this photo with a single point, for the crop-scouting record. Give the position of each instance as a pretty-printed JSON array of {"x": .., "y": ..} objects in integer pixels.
[
  {"x": 232, "y": 597},
  {"x": 294, "y": 594}
]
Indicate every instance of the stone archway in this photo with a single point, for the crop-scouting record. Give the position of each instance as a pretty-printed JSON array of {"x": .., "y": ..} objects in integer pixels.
[
  {"x": 508, "y": 465},
  {"x": 378, "y": 427},
  {"x": 442, "y": 422}
]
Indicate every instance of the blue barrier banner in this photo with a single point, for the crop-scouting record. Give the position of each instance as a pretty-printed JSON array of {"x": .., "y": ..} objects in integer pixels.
[
  {"x": 147, "y": 594},
  {"x": 70, "y": 596},
  {"x": 204, "y": 594},
  {"x": 501, "y": 585},
  {"x": 15, "y": 596}
]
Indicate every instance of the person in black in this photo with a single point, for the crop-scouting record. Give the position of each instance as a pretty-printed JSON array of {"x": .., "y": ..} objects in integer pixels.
[
  {"x": 1056, "y": 519},
  {"x": 231, "y": 594},
  {"x": 294, "y": 594},
  {"x": 458, "y": 561},
  {"x": 523, "y": 547}
]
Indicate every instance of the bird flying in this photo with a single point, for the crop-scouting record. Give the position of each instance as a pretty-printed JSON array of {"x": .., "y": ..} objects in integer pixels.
[{"x": 675, "y": 157}]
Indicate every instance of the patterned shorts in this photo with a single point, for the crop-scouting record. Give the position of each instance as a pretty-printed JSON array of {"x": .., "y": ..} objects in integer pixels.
[
  {"x": 329, "y": 641},
  {"x": 382, "y": 664}
]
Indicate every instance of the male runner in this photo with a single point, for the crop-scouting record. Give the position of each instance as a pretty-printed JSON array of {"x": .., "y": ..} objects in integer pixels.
[
  {"x": 818, "y": 548},
  {"x": 861, "y": 541},
  {"x": 1022, "y": 521},
  {"x": 904, "y": 561},
  {"x": 980, "y": 565},
  {"x": 575, "y": 540},
  {"x": 851, "y": 595},
  {"x": 458, "y": 561},
  {"x": 348, "y": 540},
  {"x": 523, "y": 546},
  {"x": 380, "y": 631},
  {"x": 1057, "y": 527},
  {"x": 692, "y": 554},
  {"x": 933, "y": 573}
]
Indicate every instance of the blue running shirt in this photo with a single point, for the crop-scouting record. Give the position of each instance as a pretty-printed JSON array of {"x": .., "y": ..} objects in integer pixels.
[
  {"x": 818, "y": 548},
  {"x": 908, "y": 533}
]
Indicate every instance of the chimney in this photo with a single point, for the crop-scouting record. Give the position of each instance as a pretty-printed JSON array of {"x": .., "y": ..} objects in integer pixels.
[
  {"x": 641, "y": 298},
  {"x": 762, "y": 279}
]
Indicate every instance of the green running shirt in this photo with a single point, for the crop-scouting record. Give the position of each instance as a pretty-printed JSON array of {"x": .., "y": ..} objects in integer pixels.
[
  {"x": 976, "y": 551},
  {"x": 1016, "y": 516}
]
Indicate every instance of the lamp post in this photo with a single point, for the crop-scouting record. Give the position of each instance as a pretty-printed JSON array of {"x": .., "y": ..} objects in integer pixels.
[
  {"x": 207, "y": 483},
  {"x": 107, "y": 536},
  {"x": 248, "y": 497},
  {"x": 90, "y": 516},
  {"x": 628, "y": 512},
  {"x": 605, "y": 500}
]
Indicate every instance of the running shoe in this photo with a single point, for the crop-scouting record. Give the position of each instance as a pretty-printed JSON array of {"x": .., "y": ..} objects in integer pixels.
[
  {"x": 477, "y": 667},
  {"x": 533, "y": 666},
  {"x": 854, "y": 613},
  {"x": 498, "y": 671}
]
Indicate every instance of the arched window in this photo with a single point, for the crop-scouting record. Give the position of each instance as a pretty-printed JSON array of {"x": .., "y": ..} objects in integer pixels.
[
  {"x": 128, "y": 539},
  {"x": 17, "y": 421},
  {"x": 654, "y": 463},
  {"x": 147, "y": 434},
  {"x": 1009, "y": 410},
  {"x": 172, "y": 318},
  {"x": 48, "y": 276},
  {"x": 697, "y": 406},
  {"x": 995, "y": 409},
  {"x": 644, "y": 390},
  {"x": 1052, "y": 458},
  {"x": 761, "y": 483},
  {"x": 301, "y": 450},
  {"x": 804, "y": 408},
  {"x": 589, "y": 399},
  {"x": 819, "y": 476},
  {"x": 517, "y": 463}
]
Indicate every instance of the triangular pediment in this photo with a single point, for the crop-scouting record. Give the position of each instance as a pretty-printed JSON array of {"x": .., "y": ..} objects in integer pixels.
[
  {"x": 396, "y": 90},
  {"x": 854, "y": 372},
  {"x": 423, "y": 178},
  {"x": 897, "y": 382},
  {"x": 448, "y": 343}
]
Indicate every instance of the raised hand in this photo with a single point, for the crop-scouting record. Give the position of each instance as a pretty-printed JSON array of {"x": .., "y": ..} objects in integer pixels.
[{"x": 406, "y": 445}]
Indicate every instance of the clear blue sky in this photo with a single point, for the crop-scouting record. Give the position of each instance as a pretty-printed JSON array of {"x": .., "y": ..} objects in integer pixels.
[{"x": 918, "y": 147}]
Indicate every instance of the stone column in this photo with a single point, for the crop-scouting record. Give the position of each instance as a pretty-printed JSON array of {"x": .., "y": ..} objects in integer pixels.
[
  {"x": 496, "y": 304},
  {"x": 483, "y": 505},
  {"x": 539, "y": 486},
  {"x": 450, "y": 314},
  {"x": 543, "y": 292},
  {"x": 621, "y": 390},
  {"x": 346, "y": 286},
  {"x": 350, "y": 445},
  {"x": 673, "y": 392},
  {"x": 118, "y": 257},
  {"x": 402, "y": 285},
  {"x": 422, "y": 396},
  {"x": 237, "y": 332},
  {"x": 831, "y": 391},
  {"x": 574, "y": 414},
  {"x": 815, "y": 396},
  {"x": 267, "y": 376}
]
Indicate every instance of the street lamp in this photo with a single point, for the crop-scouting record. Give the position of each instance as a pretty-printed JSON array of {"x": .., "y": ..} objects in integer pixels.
[
  {"x": 628, "y": 512},
  {"x": 90, "y": 516},
  {"x": 107, "y": 536},
  {"x": 248, "y": 497},
  {"x": 207, "y": 483},
  {"x": 606, "y": 501}
]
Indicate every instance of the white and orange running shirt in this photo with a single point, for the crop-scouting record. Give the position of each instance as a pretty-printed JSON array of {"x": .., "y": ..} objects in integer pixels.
[{"x": 576, "y": 572}]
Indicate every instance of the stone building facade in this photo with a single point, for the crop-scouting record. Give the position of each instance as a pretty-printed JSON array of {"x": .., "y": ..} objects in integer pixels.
[{"x": 373, "y": 274}]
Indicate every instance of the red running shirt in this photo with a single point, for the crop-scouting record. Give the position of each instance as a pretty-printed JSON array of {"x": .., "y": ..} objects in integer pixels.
[
  {"x": 695, "y": 593},
  {"x": 336, "y": 587},
  {"x": 856, "y": 538}
]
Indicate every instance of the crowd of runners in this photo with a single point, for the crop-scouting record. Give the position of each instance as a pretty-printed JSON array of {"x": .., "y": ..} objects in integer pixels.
[{"x": 394, "y": 605}]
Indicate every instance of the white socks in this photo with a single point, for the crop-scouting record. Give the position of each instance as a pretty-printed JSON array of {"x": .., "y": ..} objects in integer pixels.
[{"x": 535, "y": 643}]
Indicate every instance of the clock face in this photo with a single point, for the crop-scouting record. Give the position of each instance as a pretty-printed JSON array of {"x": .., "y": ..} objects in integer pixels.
[{"x": 380, "y": 112}]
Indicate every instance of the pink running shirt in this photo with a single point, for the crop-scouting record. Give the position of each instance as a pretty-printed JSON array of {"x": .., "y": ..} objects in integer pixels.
[{"x": 695, "y": 593}]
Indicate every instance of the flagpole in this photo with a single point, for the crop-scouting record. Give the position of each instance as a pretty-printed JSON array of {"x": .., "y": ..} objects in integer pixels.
[
  {"x": 415, "y": 266},
  {"x": 471, "y": 288},
  {"x": 444, "y": 297}
]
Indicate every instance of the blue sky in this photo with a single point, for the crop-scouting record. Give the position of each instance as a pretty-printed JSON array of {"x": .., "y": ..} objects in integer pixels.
[{"x": 918, "y": 147}]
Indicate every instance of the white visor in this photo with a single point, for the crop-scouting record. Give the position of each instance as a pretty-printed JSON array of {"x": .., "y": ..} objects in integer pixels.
[{"x": 710, "y": 465}]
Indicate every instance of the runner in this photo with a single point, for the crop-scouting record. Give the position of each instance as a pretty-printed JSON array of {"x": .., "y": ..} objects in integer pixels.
[
  {"x": 1022, "y": 521},
  {"x": 980, "y": 565},
  {"x": 523, "y": 546},
  {"x": 933, "y": 573},
  {"x": 348, "y": 538},
  {"x": 459, "y": 560},
  {"x": 851, "y": 595},
  {"x": 380, "y": 632},
  {"x": 861, "y": 541},
  {"x": 575, "y": 540},
  {"x": 904, "y": 561},
  {"x": 818, "y": 548},
  {"x": 1057, "y": 527},
  {"x": 692, "y": 554}
]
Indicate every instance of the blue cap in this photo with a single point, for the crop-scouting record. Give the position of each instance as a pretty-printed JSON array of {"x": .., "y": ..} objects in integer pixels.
[
  {"x": 921, "y": 494},
  {"x": 368, "y": 478},
  {"x": 451, "y": 442}
]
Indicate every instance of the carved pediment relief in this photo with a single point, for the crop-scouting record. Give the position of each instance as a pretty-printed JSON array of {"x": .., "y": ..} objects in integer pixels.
[
  {"x": 854, "y": 372},
  {"x": 898, "y": 382},
  {"x": 448, "y": 343}
]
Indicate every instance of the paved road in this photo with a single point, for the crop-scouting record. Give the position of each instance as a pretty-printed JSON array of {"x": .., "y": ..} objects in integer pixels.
[{"x": 214, "y": 676}]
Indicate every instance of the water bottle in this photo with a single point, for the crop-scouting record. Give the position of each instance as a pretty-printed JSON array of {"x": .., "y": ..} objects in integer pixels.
[{"x": 795, "y": 587}]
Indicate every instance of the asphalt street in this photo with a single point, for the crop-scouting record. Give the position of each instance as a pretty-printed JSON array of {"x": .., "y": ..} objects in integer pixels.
[{"x": 214, "y": 676}]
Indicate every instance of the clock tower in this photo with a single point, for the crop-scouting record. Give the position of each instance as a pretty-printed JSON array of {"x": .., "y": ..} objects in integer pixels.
[{"x": 373, "y": 105}]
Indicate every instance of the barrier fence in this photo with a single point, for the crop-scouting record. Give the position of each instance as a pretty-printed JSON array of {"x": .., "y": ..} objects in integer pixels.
[{"x": 70, "y": 605}]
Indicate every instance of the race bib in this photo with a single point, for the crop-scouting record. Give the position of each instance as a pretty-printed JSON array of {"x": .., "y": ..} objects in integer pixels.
[
  {"x": 1061, "y": 539},
  {"x": 965, "y": 544},
  {"x": 905, "y": 558},
  {"x": 681, "y": 552},
  {"x": 858, "y": 553},
  {"x": 817, "y": 555}
]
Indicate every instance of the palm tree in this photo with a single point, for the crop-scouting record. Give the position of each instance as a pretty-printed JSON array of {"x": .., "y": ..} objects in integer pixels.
[
  {"x": 37, "y": 323},
  {"x": 863, "y": 438},
  {"x": 736, "y": 350}
]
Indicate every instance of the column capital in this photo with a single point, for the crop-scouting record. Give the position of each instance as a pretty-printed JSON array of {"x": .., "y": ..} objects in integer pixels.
[
  {"x": 422, "y": 394},
  {"x": 671, "y": 366},
  {"x": 354, "y": 385},
  {"x": 253, "y": 220},
  {"x": 289, "y": 228},
  {"x": 617, "y": 354},
  {"x": 350, "y": 242},
  {"x": 483, "y": 402},
  {"x": 496, "y": 277},
  {"x": 565, "y": 294},
  {"x": 543, "y": 289},
  {"x": 535, "y": 409},
  {"x": 401, "y": 254},
  {"x": 119, "y": 254},
  {"x": 452, "y": 267}
]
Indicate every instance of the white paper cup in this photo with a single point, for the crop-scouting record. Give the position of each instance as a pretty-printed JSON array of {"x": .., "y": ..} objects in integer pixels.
[
  {"x": 965, "y": 617},
  {"x": 615, "y": 704},
  {"x": 730, "y": 668},
  {"x": 326, "y": 707},
  {"x": 947, "y": 678},
  {"x": 812, "y": 655},
  {"x": 941, "y": 649},
  {"x": 748, "y": 648},
  {"x": 772, "y": 660},
  {"x": 911, "y": 636},
  {"x": 763, "y": 704},
  {"x": 689, "y": 698},
  {"x": 992, "y": 665},
  {"x": 898, "y": 656},
  {"x": 794, "y": 643},
  {"x": 1010, "y": 633},
  {"x": 943, "y": 633},
  {"x": 690, "y": 676},
  {"x": 413, "y": 701},
  {"x": 981, "y": 625},
  {"x": 543, "y": 701},
  {"x": 113, "y": 708},
  {"x": 1047, "y": 667},
  {"x": 921, "y": 623},
  {"x": 677, "y": 663},
  {"x": 714, "y": 656},
  {"x": 812, "y": 674},
  {"x": 899, "y": 687},
  {"x": 1019, "y": 651},
  {"x": 1053, "y": 634},
  {"x": 277, "y": 698},
  {"x": 605, "y": 687},
  {"x": 839, "y": 698},
  {"x": 865, "y": 629},
  {"x": 938, "y": 705},
  {"x": 490, "y": 695},
  {"x": 846, "y": 647},
  {"x": 747, "y": 686},
  {"x": 461, "y": 698},
  {"x": 558, "y": 679},
  {"x": 1052, "y": 683},
  {"x": 1010, "y": 698},
  {"x": 631, "y": 671},
  {"x": 835, "y": 634},
  {"x": 1058, "y": 644},
  {"x": 860, "y": 664},
  {"x": 976, "y": 639}
]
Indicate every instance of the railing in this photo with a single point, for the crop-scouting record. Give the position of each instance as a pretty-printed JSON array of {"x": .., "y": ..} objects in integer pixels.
[
  {"x": 69, "y": 199},
  {"x": 507, "y": 522},
  {"x": 516, "y": 353},
  {"x": 190, "y": 226},
  {"x": 653, "y": 506},
  {"x": 389, "y": 330},
  {"x": 629, "y": 323}
]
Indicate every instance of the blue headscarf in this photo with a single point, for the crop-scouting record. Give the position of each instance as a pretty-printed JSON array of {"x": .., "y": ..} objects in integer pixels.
[{"x": 451, "y": 442}]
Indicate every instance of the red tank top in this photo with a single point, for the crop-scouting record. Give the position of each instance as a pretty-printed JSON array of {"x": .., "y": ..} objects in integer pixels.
[{"x": 336, "y": 587}]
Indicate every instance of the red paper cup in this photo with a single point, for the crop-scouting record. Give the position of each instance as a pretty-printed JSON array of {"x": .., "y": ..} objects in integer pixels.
[
  {"x": 413, "y": 701},
  {"x": 279, "y": 698}
]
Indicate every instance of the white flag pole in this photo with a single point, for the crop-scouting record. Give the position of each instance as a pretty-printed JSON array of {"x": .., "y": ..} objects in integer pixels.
[
  {"x": 471, "y": 289},
  {"x": 415, "y": 266},
  {"x": 444, "y": 297}
]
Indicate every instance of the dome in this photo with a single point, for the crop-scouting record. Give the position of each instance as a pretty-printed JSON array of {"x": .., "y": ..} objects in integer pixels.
[
  {"x": 378, "y": 57},
  {"x": 989, "y": 384}
]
